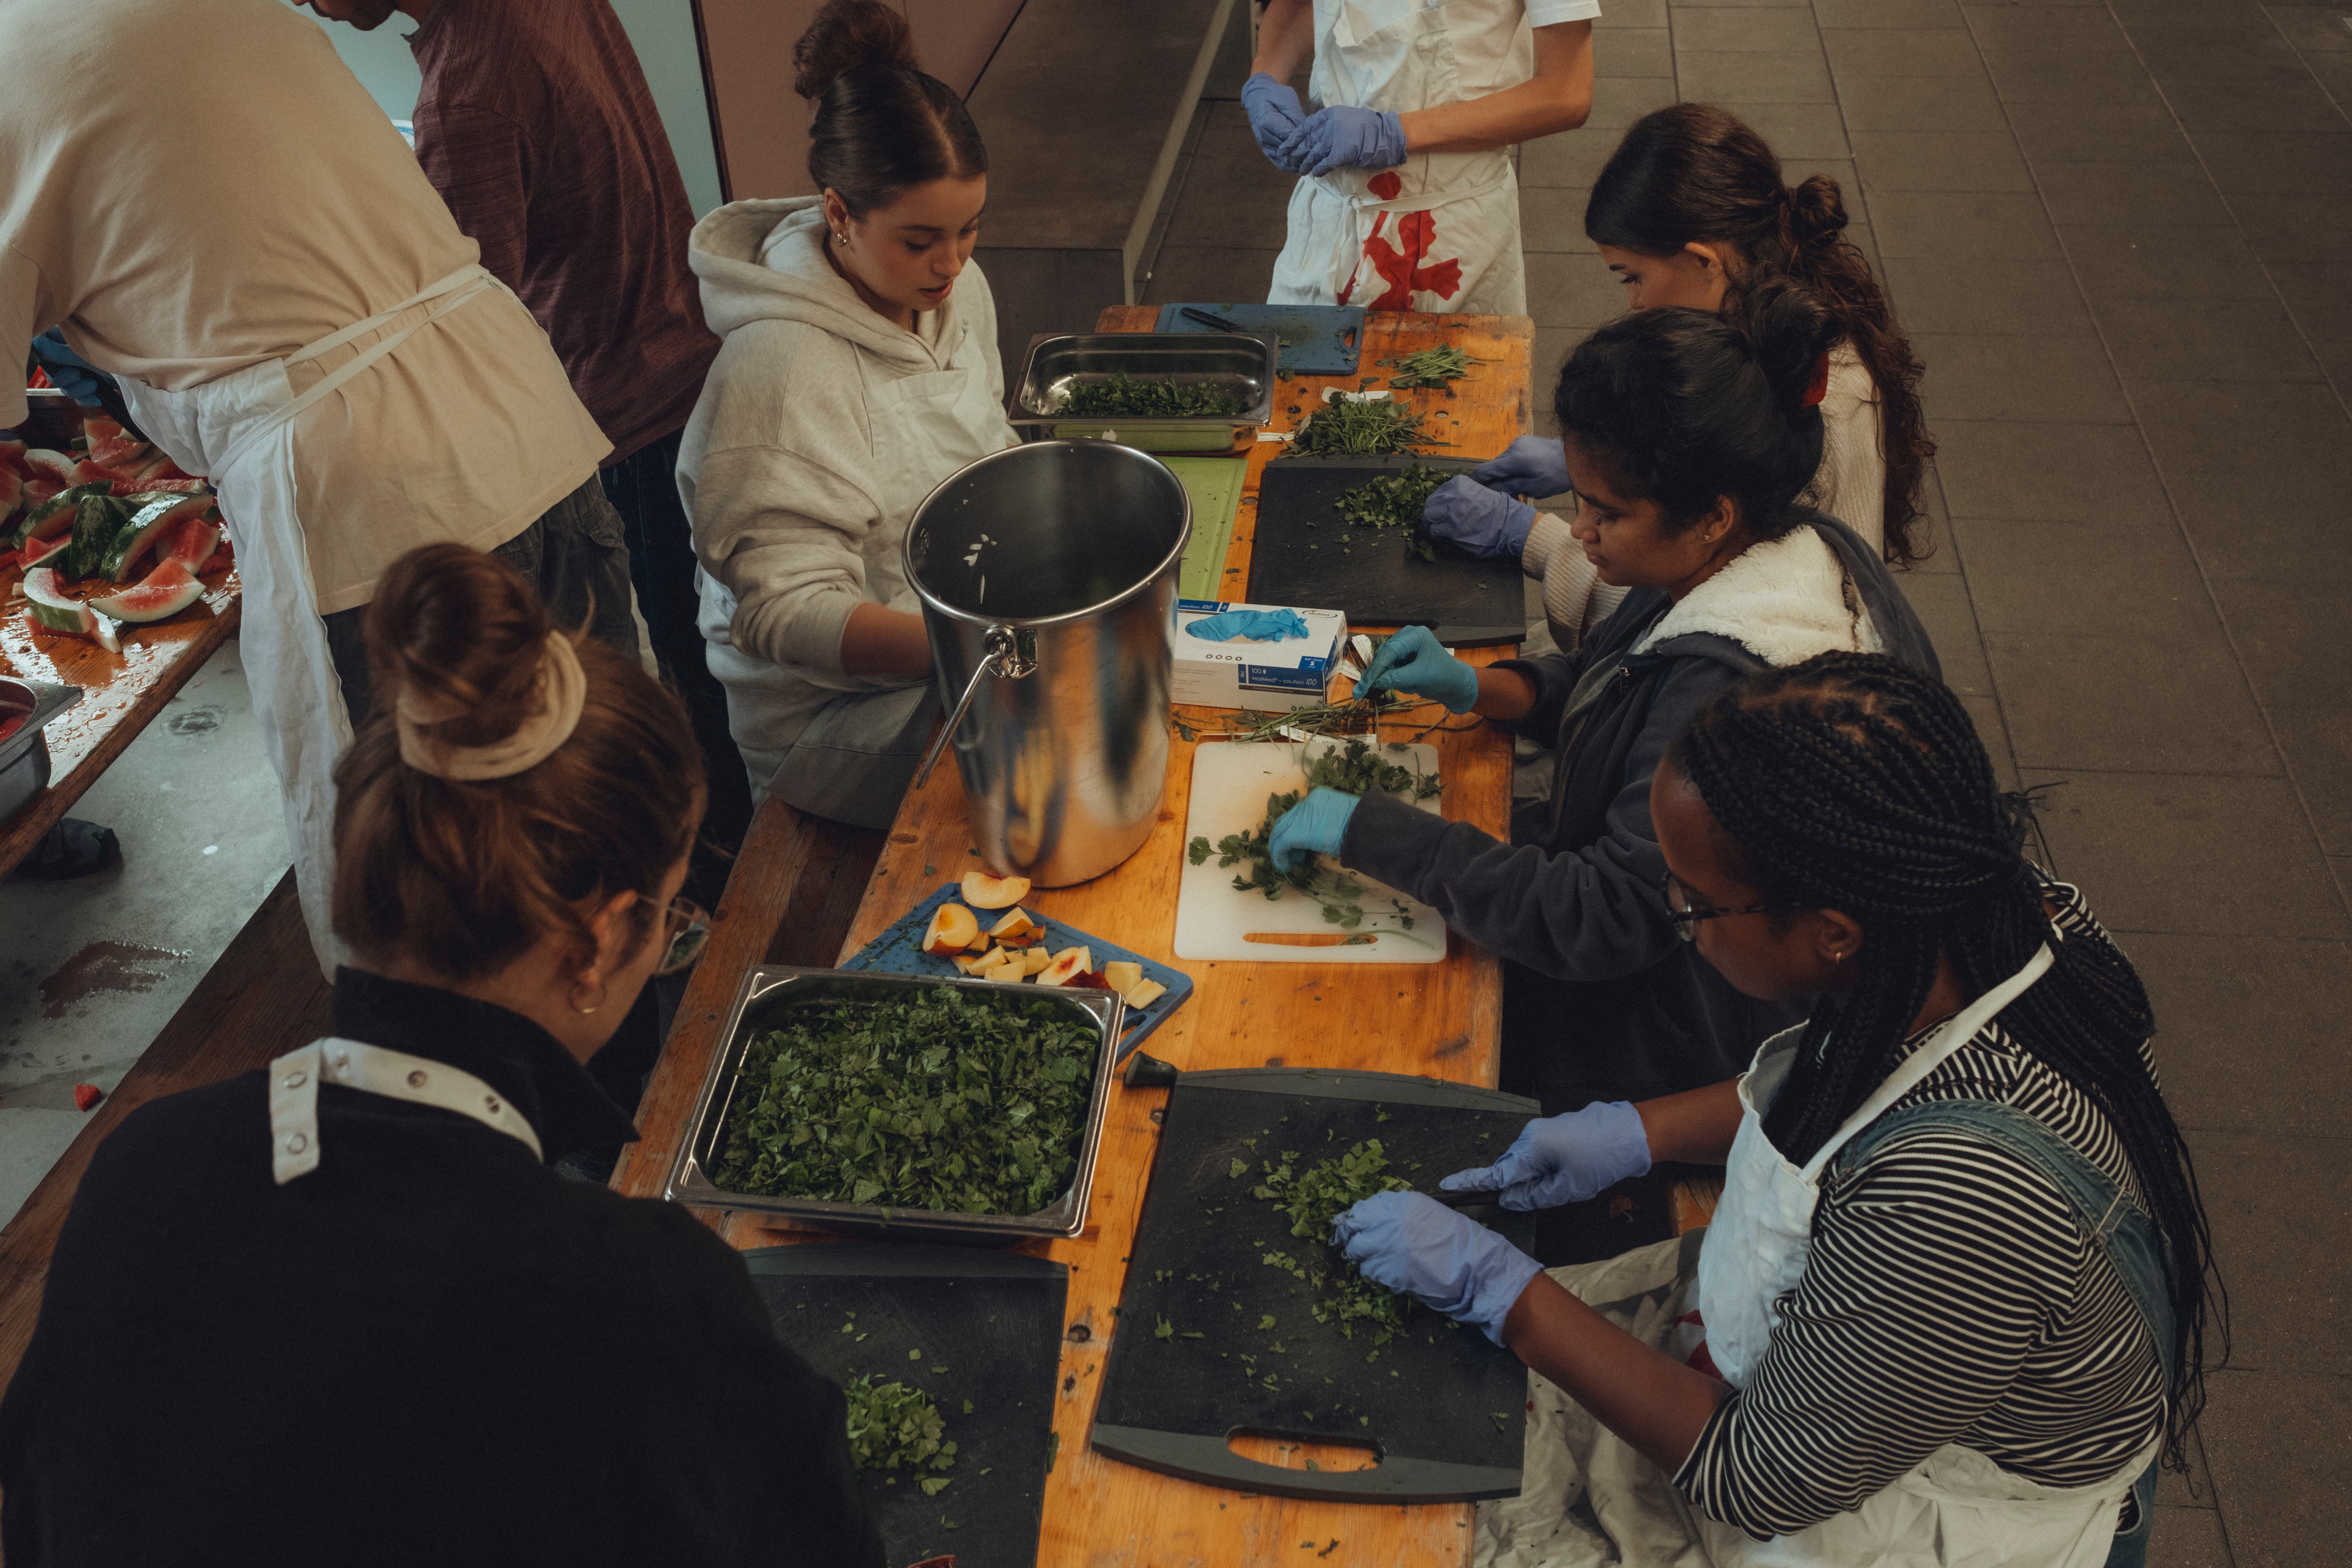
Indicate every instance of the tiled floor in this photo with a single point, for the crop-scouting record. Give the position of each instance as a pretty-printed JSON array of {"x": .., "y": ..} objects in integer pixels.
[{"x": 2120, "y": 235}]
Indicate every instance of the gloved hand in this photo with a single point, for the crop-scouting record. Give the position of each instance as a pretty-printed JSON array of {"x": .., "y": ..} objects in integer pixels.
[
  {"x": 1482, "y": 521},
  {"x": 1341, "y": 137},
  {"x": 1413, "y": 661},
  {"x": 1275, "y": 114},
  {"x": 1260, "y": 625},
  {"x": 68, "y": 372},
  {"x": 1316, "y": 825},
  {"x": 1563, "y": 1158},
  {"x": 1530, "y": 466},
  {"x": 1442, "y": 1259}
]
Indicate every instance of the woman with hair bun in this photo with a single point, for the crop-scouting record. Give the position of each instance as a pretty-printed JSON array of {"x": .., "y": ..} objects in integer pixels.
[
  {"x": 858, "y": 369},
  {"x": 1953, "y": 1305},
  {"x": 1690, "y": 210},
  {"x": 1689, "y": 438},
  {"x": 340, "y": 1310}
]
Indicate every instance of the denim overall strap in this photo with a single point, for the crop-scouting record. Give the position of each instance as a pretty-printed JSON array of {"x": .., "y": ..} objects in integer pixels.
[{"x": 2112, "y": 1219}]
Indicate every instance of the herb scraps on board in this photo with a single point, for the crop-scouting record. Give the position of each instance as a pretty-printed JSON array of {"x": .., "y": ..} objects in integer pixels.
[
  {"x": 893, "y": 1426},
  {"x": 1394, "y": 500},
  {"x": 1311, "y": 1199},
  {"x": 1346, "y": 426},
  {"x": 938, "y": 1097},
  {"x": 1123, "y": 396},
  {"x": 1429, "y": 367},
  {"x": 1356, "y": 769}
]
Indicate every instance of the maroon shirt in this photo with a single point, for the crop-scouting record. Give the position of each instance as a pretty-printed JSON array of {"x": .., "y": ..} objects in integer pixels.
[{"x": 536, "y": 125}]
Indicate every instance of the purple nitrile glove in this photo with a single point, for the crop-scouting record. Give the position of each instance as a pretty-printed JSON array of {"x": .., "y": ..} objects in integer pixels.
[
  {"x": 1316, "y": 825},
  {"x": 1275, "y": 115},
  {"x": 1414, "y": 660},
  {"x": 1563, "y": 1158},
  {"x": 1483, "y": 521},
  {"x": 1442, "y": 1259},
  {"x": 1258, "y": 625},
  {"x": 1341, "y": 137},
  {"x": 1530, "y": 466}
]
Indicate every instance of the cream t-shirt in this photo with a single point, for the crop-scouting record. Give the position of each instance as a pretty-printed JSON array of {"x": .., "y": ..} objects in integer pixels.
[{"x": 194, "y": 186}]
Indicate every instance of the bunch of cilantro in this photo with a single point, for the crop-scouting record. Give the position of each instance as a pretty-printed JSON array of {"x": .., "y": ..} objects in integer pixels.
[
  {"x": 933, "y": 1099},
  {"x": 1311, "y": 1199},
  {"x": 891, "y": 1424}
]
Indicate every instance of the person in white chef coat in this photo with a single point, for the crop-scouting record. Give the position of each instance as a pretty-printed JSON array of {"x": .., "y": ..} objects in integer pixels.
[
  {"x": 220, "y": 216},
  {"x": 1407, "y": 199}
]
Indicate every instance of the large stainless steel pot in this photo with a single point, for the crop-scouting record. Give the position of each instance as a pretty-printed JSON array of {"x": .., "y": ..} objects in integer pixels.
[{"x": 1048, "y": 575}]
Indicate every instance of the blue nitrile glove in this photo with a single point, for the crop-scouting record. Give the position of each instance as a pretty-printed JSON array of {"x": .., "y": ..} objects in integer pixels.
[
  {"x": 1482, "y": 521},
  {"x": 1314, "y": 827},
  {"x": 1258, "y": 625},
  {"x": 1563, "y": 1158},
  {"x": 1441, "y": 1258},
  {"x": 68, "y": 372},
  {"x": 1530, "y": 466},
  {"x": 1341, "y": 137},
  {"x": 1275, "y": 115},
  {"x": 1413, "y": 661}
]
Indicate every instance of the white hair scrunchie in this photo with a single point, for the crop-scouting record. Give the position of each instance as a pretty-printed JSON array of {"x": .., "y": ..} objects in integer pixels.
[{"x": 561, "y": 691}]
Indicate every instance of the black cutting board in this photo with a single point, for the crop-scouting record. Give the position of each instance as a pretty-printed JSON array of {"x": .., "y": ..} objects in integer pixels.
[
  {"x": 993, "y": 1320},
  {"x": 1303, "y": 554},
  {"x": 1441, "y": 1405}
]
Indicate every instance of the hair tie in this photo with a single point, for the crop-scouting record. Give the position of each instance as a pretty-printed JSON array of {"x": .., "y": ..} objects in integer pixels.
[
  {"x": 1819, "y": 387},
  {"x": 560, "y": 691}
]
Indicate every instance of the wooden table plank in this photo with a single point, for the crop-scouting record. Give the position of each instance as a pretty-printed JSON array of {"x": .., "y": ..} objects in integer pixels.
[{"x": 1439, "y": 1020}]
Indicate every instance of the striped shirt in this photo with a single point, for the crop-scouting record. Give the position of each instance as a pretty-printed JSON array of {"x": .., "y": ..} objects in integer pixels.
[{"x": 1950, "y": 1297}]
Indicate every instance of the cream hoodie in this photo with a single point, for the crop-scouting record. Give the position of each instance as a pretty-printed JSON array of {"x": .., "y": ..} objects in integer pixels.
[{"x": 820, "y": 430}]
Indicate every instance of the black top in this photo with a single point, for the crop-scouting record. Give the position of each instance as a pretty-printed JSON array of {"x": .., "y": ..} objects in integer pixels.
[{"x": 431, "y": 1348}]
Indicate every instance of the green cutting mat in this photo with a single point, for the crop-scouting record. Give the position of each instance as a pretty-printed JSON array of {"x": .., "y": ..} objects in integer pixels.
[{"x": 1215, "y": 486}]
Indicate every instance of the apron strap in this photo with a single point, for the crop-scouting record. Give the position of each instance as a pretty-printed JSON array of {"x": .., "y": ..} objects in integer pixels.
[{"x": 294, "y": 1080}]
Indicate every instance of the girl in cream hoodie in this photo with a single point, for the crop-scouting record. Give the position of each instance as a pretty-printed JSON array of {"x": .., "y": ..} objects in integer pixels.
[{"x": 858, "y": 369}]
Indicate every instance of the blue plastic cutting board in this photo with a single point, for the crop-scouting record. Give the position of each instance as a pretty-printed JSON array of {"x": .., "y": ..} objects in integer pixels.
[
  {"x": 1322, "y": 340},
  {"x": 900, "y": 951}
]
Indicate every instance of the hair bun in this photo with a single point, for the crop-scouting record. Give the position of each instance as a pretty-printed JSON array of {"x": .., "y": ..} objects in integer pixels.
[
  {"x": 1816, "y": 211},
  {"x": 845, "y": 35},
  {"x": 1788, "y": 328},
  {"x": 457, "y": 629}
]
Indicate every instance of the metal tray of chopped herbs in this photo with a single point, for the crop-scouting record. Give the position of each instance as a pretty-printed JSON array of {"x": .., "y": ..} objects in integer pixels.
[
  {"x": 905, "y": 1107},
  {"x": 1230, "y": 1322},
  {"x": 1159, "y": 392}
]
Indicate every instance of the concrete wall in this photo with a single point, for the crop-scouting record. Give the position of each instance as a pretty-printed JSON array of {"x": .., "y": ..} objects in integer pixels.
[{"x": 663, "y": 32}]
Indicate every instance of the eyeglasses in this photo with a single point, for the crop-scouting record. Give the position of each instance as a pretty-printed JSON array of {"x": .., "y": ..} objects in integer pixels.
[
  {"x": 1686, "y": 909},
  {"x": 686, "y": 930}
]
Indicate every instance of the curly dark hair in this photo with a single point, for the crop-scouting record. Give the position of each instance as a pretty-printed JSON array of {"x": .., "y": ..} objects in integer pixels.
[
  {"x": 1693, "y": 171},
  {"x": 1852, "y": 782}
]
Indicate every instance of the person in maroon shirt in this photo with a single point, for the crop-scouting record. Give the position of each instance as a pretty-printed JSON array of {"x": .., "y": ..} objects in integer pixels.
[{"x": 535, "y": 124}]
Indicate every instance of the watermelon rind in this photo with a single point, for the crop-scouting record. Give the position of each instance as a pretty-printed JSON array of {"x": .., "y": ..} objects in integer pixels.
[
  {"x": 55, "y": 464},
  {"x": 59, "y": 614},
  {"x": 147, "y": 523},
  {"x": 97, "y": 520},
  {"x": 39, "y": 550},
  {"x": 54, "y": 516},
  {"x": 166, "y": 591}
]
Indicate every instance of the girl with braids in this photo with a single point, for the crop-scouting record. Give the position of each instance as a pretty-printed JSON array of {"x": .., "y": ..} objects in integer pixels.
[
  {"x": 1689, "y": 438},
  {"x": 1952, "y": 1308},
  {"x": 1690, "y": 211}
]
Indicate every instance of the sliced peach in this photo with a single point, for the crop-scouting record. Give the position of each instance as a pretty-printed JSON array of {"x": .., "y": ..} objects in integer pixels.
[
  {"x": 951, "y": 930},
  {"x": 1016, "y": 923},
  {"x": 1005, "y": 974},
  {"x": 1144, "y": 993},
  {"x": 994, "y": 958},
  {"x": 1035, "y": 960},
  {"x": 1068, "y": 962},
  {"x": 982, "y": 891},
  {"x": 1124, "y": 976}
]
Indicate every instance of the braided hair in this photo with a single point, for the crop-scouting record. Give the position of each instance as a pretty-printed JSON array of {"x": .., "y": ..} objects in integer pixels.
[{"x": 1852, "y": 782}]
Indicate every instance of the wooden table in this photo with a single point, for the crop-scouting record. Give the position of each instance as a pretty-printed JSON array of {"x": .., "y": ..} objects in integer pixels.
[
  {"x": 121, "y": 692},
  {"x": 1441, "y": 1020}
]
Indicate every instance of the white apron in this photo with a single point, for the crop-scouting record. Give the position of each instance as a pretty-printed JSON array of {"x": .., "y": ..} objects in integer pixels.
[
  {"x": 294, "y": 1080},
  {"x": 1954, "y": 1509},
  {"x": 1440, "y": 232},
  {"x": 238, "y": 431}
]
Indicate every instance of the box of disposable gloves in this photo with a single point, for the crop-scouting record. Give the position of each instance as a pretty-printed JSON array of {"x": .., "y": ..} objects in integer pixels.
[{"x": 1260, "y": 657}]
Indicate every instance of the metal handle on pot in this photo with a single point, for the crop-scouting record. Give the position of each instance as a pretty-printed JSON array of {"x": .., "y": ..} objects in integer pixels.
[{"x": 1004, "y": 658}]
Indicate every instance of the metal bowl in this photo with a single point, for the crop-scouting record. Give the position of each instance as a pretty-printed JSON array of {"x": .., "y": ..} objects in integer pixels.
[
  {"x": 773, "y": 990},
  {"x": 1240, "y": 363},
  {"x": 25, "y": 755}
]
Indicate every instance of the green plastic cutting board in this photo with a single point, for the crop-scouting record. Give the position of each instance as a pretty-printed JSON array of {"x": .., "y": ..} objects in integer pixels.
[{"x": 1215, "y": 486}]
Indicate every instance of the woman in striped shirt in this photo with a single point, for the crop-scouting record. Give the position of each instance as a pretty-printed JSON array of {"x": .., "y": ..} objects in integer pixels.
[{"x": 1952, "y": 1307}]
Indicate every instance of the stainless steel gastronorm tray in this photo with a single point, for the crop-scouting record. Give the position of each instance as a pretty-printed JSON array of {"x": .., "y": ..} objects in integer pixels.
[
  {"x": 1242, "y": 363},
  {"x": 771, "y": 991}
]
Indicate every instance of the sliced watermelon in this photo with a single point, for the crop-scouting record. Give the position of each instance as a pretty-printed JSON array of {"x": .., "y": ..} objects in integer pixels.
[
  {"x": 98, "y": 427},
  {"x": 181, "y": 487},
  {"x": 37, "y": 550},
  {"x": 53, "y": 514},
  {"x": 11, "y": 459},
  {"x": 99, "y": 520},
  {"x": 126, "y": 453},
  {"x": 159, "y": 466},
  {"x": 11, "y": 496},
  {"x": 192, "y": 539},
  {"x": 59, "y": 614},
  {"x": 146, "y": 529},
  {"x": 88, "y": 473},
  {"x": 165, "y": 591},
  {"x": 55, "y": 465}
]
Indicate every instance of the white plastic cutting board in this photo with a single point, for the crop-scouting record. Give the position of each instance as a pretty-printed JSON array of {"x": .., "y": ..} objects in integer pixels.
[{"x": 1229, "y": 782}]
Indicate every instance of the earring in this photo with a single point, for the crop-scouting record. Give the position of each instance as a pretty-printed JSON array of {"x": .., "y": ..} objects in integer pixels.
[{"x": 584, "y": 1012}]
